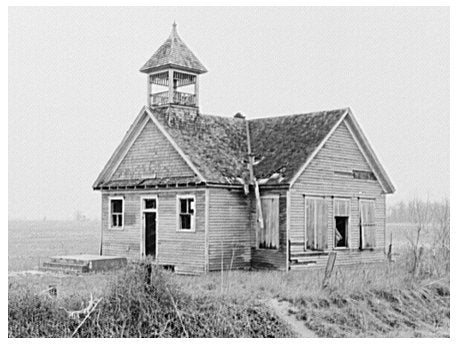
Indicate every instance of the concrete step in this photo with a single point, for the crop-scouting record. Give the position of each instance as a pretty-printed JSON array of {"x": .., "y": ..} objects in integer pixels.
[
  {"x": 89, "y": 262},
  {"x": 65, "y": 267}
]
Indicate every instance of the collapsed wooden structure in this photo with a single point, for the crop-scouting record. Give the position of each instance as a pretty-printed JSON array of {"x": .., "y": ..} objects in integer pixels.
[{"x": 200, "y": 192}]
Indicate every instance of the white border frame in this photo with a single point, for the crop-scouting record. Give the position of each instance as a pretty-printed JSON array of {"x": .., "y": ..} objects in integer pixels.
[
  {"x": 193, "y": 216},
  {"x": 142, "y": 227},
  {"x": 111, "y": 198}
]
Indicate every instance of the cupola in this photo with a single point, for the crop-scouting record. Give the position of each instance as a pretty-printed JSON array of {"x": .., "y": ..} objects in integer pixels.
[{"x": 173, "y": 74}]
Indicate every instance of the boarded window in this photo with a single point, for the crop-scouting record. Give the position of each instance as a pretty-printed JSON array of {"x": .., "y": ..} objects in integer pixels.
[
  {"x": 186, "y": 213},
  {"x": 116, "y": 213},
  {"x": 268, "y": 237},
  {"x": 316, "y": 224},
  {"x": 368, "y": 227}
]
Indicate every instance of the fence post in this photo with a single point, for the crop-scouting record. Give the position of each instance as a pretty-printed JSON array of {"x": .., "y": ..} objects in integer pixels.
[{"x": 329, "y": 268}]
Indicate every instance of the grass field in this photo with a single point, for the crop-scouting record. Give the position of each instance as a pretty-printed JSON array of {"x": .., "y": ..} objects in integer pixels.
[{"x": 369, "y": 300}]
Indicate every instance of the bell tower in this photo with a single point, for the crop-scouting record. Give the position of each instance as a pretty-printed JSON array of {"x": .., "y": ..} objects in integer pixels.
[{"x": 173, "y": 74}]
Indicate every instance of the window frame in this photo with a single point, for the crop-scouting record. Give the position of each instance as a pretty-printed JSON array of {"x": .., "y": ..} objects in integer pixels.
[
  {"x": 110, "y": 214},
  {"x": 178, "y": 211}
]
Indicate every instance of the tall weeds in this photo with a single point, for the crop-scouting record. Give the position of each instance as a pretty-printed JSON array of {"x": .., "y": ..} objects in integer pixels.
[{"x": 142, "y": 303}]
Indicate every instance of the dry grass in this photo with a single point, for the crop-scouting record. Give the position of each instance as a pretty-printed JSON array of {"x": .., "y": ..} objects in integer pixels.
[
  {"x": 140, "y": 302},
  {"x": 368, "y": 300}
]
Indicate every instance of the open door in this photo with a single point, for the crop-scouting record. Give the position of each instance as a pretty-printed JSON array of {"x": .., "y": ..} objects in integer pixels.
[{"x": 149, "y": 210}]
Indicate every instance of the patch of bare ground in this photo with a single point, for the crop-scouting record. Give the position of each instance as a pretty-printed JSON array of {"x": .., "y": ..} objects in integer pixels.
[{"x": 286, "y": 312}]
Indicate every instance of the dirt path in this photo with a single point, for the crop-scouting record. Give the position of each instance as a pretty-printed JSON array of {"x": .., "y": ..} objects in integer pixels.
[{"x": 281, "y": 309}]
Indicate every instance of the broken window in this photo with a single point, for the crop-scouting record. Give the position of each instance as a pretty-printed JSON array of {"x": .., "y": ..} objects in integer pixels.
[
  {"x": 341, "y": 220},
  {"x": 367, "y": 221},
  {"x": 149, "y": 204},
  {"x": 268, "y": 235},
  {"x": 316, "y": 223},
  {"x": 186, "y": 213},
  {"x": 116, "y": 212},
  {"x": 365, "y": 175}
]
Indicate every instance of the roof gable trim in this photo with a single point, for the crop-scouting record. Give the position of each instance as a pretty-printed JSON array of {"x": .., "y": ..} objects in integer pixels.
[
  {"x": 119, "y": 150},
  {"x": 127, "y": 148},
  {"x": 369, "y": 154},
  {"x": 175, "y": 145},
  {"x": 315, "y": 152}
]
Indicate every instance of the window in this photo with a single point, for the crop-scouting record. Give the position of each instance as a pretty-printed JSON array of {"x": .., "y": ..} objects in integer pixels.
[
  {"x": 149, "y": 204},
  {"x": 365, "y": 175},
  {"x": 186, "y": 213},
  {"x": 316, "y": 223},
  {"x": 116, "y": 213},
  {"x": 367, "y": 221},
  {"x": 268, "y": 235},
  {"x": 341, "y": 220}
]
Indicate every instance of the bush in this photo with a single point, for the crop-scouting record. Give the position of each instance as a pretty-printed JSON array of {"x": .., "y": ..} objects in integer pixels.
[{"x": 143, "y": 302}]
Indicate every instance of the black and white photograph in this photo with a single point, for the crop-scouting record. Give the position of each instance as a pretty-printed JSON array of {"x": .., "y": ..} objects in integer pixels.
[{"x": 228, "y": 172}]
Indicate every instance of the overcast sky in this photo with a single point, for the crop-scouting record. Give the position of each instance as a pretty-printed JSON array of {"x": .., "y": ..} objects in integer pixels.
[{"x": 75, "y": 88}]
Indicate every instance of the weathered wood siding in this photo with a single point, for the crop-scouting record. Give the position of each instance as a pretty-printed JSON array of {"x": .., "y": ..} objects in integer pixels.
[
  {"x": 269, "y": 258},
  {"x": 184, "y": 250},
  {"x": 340, "y": 153},
  {"x": 229, "y": 229},
  {"x": 152, "y": 156}
]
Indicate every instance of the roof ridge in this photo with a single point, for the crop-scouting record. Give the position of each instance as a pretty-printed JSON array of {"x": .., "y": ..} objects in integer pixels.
[{"x": 300, "y": 114}]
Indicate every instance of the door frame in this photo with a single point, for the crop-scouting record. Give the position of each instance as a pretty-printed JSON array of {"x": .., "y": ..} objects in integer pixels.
[{"x": 142, "y": 227}]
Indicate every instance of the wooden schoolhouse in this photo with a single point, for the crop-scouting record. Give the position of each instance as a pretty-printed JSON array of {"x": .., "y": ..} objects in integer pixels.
[{"x": 201, "y": 192}]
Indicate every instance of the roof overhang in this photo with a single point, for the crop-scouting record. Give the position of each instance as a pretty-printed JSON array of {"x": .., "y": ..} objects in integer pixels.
[
  {"x": 150, "y": 70},
  {"x": 364, "y": 146}
]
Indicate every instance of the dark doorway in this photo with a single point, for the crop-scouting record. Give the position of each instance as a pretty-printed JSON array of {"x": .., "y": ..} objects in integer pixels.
[
  {"x": 341, "y": 231},
  {"x": 150, "y": 233}
]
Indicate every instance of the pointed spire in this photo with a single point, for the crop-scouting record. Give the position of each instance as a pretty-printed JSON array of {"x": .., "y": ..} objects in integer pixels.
[
  {"x": 174, "y": 52},
  {"x": 174, "y": 32}
]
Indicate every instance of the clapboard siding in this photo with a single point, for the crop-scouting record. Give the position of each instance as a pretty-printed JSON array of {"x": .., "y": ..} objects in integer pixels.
[
  {"x": 340, "y": 153},
  {"x": 229, "y": 229},
  {"x": 268, "y": 258},
  {"x": 152, "y": 156},
  {"x": 184, "y": 250}
]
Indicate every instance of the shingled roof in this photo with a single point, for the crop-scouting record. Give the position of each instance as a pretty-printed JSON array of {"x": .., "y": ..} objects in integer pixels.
[
  {"x": 281, "y": 145},
  {"x": 215, "y": 145},
  {"x": 174, "y": 53}
]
